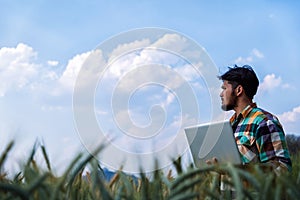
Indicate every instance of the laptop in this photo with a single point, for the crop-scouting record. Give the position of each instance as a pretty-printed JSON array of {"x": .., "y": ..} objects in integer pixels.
[{"x": 212, "y": 140}]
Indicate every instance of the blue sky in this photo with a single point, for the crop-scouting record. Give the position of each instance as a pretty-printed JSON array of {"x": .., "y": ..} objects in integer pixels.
[{"x": 44, "y": 43}]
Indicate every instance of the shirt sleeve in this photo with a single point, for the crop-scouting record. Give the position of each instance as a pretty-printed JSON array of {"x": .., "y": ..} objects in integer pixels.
[{"x": 271, "y": 144}]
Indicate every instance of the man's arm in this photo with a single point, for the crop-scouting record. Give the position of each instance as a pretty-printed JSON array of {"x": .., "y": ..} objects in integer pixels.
[{"x": 272, "y": 146}]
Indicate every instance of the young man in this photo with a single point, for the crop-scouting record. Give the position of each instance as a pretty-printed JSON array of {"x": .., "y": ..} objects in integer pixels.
[{"x": 258, "y": 133}]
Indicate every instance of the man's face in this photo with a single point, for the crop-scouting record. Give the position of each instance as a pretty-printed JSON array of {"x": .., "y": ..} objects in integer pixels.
[{"x": 228, "y": 97}]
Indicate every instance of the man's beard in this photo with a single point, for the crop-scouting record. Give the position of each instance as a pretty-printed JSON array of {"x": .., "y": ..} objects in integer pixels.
[{"x": 231, "y": 104}]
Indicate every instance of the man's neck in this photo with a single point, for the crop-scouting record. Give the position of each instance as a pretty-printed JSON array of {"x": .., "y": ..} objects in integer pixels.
[{"x": 241, "y": 105}]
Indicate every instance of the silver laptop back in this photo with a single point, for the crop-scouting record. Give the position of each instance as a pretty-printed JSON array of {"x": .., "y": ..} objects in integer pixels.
[{"x": 212, "y": 140}]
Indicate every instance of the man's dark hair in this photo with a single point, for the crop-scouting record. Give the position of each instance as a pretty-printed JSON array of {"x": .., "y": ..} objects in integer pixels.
[{"x": 244, "y": 76}]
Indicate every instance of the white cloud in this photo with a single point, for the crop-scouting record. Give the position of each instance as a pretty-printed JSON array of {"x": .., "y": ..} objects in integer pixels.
[
  {"x": 74, "y": 65},
  {"x": 19, "y": 70},
  {"x": 121, "y": 66},
  {"x": 188, "y": 72},
  {"x": 240, "y": 59},
  {"x": 89, "y": 64},
  {"x": 155, "y": 74},
  {"x": 52, "y": 63},
  {"x": 254, "y": 54},
  {"x": 270, "y": 82},
  {"x": 257, "y": 53},
  {"x": 17, "y": 67},
  {"x": 290, "y": 116},
  {"x": 290, "y": 120},
  {"x": 128, "y": 47},
  {"x": 170, "y": 99},
  {"x": 168, "y": 41},
  {"x": 133, "y": 58},
  {"x": 143, "y": 52}
]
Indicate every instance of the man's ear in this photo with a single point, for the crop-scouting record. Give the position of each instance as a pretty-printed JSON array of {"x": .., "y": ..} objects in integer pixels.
[{"x": 239, "y": 90}]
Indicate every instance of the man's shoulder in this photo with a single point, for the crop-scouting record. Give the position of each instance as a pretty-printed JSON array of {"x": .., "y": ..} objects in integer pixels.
[{"x": 262, "y": 115}]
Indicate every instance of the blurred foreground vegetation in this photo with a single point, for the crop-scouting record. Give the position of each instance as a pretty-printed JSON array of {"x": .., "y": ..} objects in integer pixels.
[{"x": 255, "y": 182}]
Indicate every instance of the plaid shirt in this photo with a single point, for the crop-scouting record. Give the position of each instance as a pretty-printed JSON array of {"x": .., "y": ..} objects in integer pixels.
[{"x": 260, "y": 137}]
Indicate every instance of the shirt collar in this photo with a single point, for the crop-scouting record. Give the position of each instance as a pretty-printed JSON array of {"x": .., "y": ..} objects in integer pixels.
[{"x": 244, "y": 113}]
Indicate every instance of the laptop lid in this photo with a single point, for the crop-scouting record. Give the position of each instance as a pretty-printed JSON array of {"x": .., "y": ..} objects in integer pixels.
[{"x": 212, "y": 140}]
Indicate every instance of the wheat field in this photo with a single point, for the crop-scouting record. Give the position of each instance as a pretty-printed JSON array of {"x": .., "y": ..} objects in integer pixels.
[{"x": 253, "y": 182}]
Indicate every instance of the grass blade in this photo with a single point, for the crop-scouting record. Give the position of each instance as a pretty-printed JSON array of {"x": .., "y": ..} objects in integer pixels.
[
  {"x": 5, "y": 153},
  {"x": 46, "y": 157},
  {"x": 15, "y": 189}
]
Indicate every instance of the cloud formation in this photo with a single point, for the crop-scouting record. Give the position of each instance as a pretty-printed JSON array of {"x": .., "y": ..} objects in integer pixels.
[
  {"x": 17, "y": 67},
  {"x": 290, "y": 116},
  {"x": 271, "y": 82},
  {"x": 290, "y": 120},
  {"x": 254, "y": 54},
  {"x": 68, "y": 78},
  {"x": 52, "y": 62}
]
